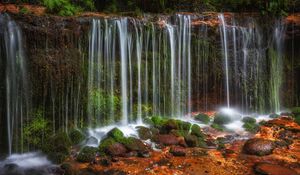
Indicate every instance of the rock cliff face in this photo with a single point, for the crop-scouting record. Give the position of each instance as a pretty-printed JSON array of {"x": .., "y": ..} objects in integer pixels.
[{"x": 58, "y": 52}]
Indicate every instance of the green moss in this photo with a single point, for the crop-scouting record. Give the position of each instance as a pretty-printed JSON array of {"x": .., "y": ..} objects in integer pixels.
[
  {"x": 76, "y": 136},
  {"x": 87, "y": 154},
  {"x": 249, "y": 120},
  {"x": 251, "y": 127},
  {"x": 57, "y": 147},
  {"x": 217, "y": 127},
  {"x": 203, "y": 118},
  {"x": 182, "y": 125},
  {"x": 105, "y": 143},
  {"x": 180, "y": 133},
  {"x": 158, "y": 121},
  {"x": 133, "y": 144},
  {"x": 116, "y": 134},
  {"x": 222, "y": 119},
  {"x": 196, "y": 130}
]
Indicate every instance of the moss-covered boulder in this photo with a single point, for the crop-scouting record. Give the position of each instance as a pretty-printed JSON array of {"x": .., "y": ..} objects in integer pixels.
[
  {"x": 194, "y": 141},
  {"x": 134, "y": 144},
  {"x": 217, "y": 127},
  {"x": 196, "y": 130},
  {"x": 221, "y": 119},
  {"x": 144, "y": 132},
  {"x": 76, "y": 136},
  {"x": 57, "y": 147},
  {"x": 179, "y": 133},
  {"x": 204, "y": 118},
  {"x": 116, "y": 149},
  {"x": 87, "y": 154},
  {"x": 105, "y": 143},
  {"x": 116, "y": 134},
  {"x": 250, "y": 124},
  {"x": 182, "y": 125},
  {"x": 158, "y": 121},
  {"x": 249, "y": 120}
]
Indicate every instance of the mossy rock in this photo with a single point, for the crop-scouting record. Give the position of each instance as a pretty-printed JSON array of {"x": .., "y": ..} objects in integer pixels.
[
  {"x": 144, "y": 132},
  {"x": 217, "y": 127},
  {"x": 105, "y": 143},
  {"x": 134, "y": 144},
  {"x": 196, "y": 130},
  {"x": 204, "y": 118},
  {"x": 87, "y": 154},
  {"x": 249, "y": 120},
  {"x": 179, "y": 133},
  {"x": 295, "y": 110},
  {"x": 76, "y": 136},
  {"x": 182, "y": 125},
  {"x": 158, "y": 121},
  {"x": 274, "y": 115},
  {"x": 194, "y": 141},
  {"x": 116, "y": 134},
  {"x": 251, "y": 127},
  {"x": 169, "y": 125},
  {"x": 57, "y": 147},
  {"x": 222, "y": 119}
]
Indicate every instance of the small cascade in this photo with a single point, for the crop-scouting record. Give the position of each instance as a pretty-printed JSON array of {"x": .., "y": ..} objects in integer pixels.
[{"x": 17, "y": 89}]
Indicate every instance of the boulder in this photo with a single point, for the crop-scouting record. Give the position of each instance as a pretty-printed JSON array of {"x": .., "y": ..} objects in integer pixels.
[
  {"x": 196, "y": 130},
  {"x": 144, "y": 132},
  {"x": 116, "y": 149},
  {"x": 221, "y": 119},
  {"x": 76, "y": 136},
  {"x": 259, "y": 146},
  {"x": 249, "y": 120},
  {"x": 272, "y": 169},
  {"x": 177, "y": 151},
  {"x": 87, "y": 154},
  {"x": 202, "y": 118},
  {"x": 116, "y": 134},
  {"x": 134, "y": 144},
  {"x": 168, "y": 139},
  {"x": 191, "y": 140}
]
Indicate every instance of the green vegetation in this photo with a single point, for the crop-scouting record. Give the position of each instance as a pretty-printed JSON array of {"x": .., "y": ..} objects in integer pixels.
[
  {"x": 222, "y": 119},
  {"x": 36, "y": 130},
  {"x": 250, "y": 124}
]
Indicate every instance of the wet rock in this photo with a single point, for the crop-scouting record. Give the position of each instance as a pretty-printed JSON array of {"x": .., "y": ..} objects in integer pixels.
[
  {"x": 168, "y": 126},
  {"x": 11, "y": 169},
  {"x": 272, "y": 169},
  {"x": 191, "y": 140},
  {"x": 56, "y": 170},
  {"x": 105, "y": 143},
  {"x": 259, "y": 146},
  {"x": 87, "y": 154},
  {"x": 134, "y": 144},
  {"x": 202, "y": 118},
  {"x": 177, "y": 151},
  {"x": 76, "y": 136},
  {"x": 116, "y": 134},
  {"x": 116, "y": 149},
  {"x": 196, "y": 130},
  {"x": 144, "y": 132},
  {"x": 222, "y": 119},
  {"x": 91, "y": 141},
  {"x": 168, "y": 139}
]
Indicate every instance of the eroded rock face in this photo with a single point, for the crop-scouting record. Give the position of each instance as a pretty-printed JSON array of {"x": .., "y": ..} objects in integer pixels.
[
  {"x": 272, "y": 169},
  {"x": 259, "y": 147}
]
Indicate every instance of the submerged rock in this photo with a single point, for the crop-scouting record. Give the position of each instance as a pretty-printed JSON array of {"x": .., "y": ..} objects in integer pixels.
[
  {"x": 272, "y": 169},
  {"x": 259, "y": 146}
]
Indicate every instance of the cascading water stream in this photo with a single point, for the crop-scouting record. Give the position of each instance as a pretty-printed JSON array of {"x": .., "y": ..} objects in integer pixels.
[{"x": 17, "y": 90}]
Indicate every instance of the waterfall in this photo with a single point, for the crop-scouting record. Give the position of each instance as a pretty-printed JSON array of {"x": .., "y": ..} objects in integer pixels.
[
  {"x": 225, "y": 54},
  {"x": 17, "y": 89}
]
